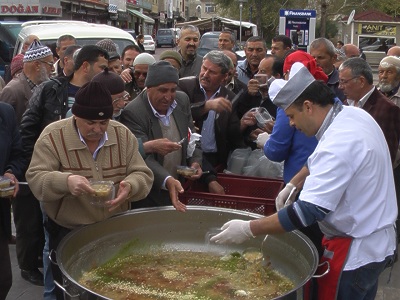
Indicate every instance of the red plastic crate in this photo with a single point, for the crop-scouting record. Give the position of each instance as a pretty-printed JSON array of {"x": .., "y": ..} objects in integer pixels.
[{"x": 252, "y": 195}]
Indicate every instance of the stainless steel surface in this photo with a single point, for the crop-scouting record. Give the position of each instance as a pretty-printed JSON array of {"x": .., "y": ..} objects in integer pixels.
[{"x": 292, "y": 254}]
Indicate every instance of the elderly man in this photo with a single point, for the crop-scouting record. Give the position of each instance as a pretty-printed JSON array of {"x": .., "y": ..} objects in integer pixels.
[
  {"x": 357, "y": 219},
  {"x": 226, "y": 40},
  {"x": 281, "y": 46},
  {"x": 389, "y": 78},
  {"x": 50, "y": 102},
  {"x": 324, "y": 53},
  {"x": 188, "y": 42},
  {"x": 394, "y": 51},
  {"x": 255, "y": 50},
  {"x": 160, "y": 112},
  {"x": 71, "y": 152},
  {"x": 136, "y": 75},
  {"x": 62, "y": 43},
  {"x": 232, "y": 83},
  {"x": 351, "y": 50},
  {"x": 356, "y": 81},
  {"x": 38, "y": 65},
  {"x": 173, "y": 57},
  {"x": 212, "y": 108}
]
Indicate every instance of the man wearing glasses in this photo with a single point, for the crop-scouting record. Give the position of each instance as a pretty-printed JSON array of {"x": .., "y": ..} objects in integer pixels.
[
  {"x": 255, "y": 50},
  {"x": 136, "y": 75},
  {"x": 116, "y": 87},
  {"x": 356, "y": 81},
  {"x": 38, "y": 65}
]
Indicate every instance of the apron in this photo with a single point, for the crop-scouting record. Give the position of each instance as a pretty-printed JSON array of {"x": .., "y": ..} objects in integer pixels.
[{"x": 335, "y": 253}]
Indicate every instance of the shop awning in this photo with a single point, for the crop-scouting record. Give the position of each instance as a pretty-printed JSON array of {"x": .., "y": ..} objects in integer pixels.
[{"x": 138, "y": 14}]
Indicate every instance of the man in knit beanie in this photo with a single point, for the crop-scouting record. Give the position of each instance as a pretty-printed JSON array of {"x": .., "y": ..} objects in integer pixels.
[
  {"x": 173, "y": 57},
  {"x": 161, "y": 117},
  {"x": 136, "y": 75},
  {"x": 114, "y": 61},
  {"x": 90, "y": 146},
  {"x": 17, "y": 65},
  {"x": 37, "y": 67},
  {"x": 116, "y": 87}
]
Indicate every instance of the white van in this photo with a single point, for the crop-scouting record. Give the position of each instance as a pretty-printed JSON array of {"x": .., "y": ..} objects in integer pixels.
[{"x": 85, "y": 33}]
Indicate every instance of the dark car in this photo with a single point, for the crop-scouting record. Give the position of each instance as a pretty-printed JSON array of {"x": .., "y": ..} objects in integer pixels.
[
  {"x": 208, "y": 42},
  {"x": 8, "y": 35},
  {"x": 166, "y": 37}
]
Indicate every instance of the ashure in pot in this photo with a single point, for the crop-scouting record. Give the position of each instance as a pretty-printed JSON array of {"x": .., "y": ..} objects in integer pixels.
[{"x": 291, "y": 254}]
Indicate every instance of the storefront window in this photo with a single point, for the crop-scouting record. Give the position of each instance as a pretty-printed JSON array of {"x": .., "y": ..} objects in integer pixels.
[{"x": 375, "y": 43}]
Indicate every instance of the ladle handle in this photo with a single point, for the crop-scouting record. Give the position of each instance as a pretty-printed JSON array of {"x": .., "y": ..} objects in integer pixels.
[{"x": 326, "y": 272}]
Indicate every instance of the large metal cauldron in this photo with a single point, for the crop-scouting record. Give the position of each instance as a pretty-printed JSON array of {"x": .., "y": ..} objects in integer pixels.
[{"x": 292, "y": 253}]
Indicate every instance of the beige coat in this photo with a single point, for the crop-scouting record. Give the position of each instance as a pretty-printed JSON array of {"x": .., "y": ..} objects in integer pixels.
[{"x": 59, "y": 153}]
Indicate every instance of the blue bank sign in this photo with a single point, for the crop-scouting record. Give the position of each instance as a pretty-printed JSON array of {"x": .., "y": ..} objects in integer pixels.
[
  {"x": 299, "y": 25},
  {"x": 298, "y": 13}
]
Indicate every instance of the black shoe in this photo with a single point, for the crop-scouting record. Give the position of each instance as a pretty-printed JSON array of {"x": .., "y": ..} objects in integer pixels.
[{"x": 33, "y": 276}]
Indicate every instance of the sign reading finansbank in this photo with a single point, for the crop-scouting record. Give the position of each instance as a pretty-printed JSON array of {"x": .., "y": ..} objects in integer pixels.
[{"x": 299, "y": 25}]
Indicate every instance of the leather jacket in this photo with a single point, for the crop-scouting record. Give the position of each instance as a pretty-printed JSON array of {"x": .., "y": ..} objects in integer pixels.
[{"x": 47, "y": 104}]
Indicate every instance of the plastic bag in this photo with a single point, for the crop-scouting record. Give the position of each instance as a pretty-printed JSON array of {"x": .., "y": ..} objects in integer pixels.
[{"x": 193, "y": 138}]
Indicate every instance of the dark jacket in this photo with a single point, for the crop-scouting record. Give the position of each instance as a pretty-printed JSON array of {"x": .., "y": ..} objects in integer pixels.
[
  {"x": 387, "y": 115},
  {"x": 10, "y": 158},
  {"x": 191, "y": 67},
  {"x": 47, "y": 104},
  {"x": 140, "y": 119},
  {"x": 227, "y": 125}
]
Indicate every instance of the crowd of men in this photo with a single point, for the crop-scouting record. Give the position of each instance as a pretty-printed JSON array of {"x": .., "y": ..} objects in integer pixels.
[{"x": 95, "y": 114}]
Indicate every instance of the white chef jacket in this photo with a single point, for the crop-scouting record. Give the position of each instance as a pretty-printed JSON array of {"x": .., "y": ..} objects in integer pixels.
[{"x": 351, "y": 175}]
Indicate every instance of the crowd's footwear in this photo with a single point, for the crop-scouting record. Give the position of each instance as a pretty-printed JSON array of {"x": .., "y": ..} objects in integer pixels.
[{"x": 33, "y": 276}]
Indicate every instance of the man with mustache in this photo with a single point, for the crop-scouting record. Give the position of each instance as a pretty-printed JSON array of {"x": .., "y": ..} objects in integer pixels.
[
  {"x": 212, "y": 110},
  {"x": 188, "y": 42},
  {"x": 87, "y": 146},
  {"x": 389, "y": 78},
  {"x": 162, "y": 114},
  {"x": 255, "y": 50}
]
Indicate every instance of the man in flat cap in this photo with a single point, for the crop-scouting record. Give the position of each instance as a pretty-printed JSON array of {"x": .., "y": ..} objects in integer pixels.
[
  {"x": 357, "y": 219},
  {"x": 86, "y": 146},
  {"x": 162, "y": 115}
]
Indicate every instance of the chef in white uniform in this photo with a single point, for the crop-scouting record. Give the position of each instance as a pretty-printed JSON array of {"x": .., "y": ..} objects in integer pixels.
[{"x": 349, "y": 192}]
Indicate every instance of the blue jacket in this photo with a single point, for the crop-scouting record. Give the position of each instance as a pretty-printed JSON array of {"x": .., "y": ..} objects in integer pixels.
[{"x": 288, "y": 144}]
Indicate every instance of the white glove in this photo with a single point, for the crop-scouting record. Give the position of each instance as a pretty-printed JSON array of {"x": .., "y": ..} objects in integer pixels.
[
  {"x": 286, "y": 196},
  {"x": 262, "y": 138},
  {"x": 234, "y": 231}
]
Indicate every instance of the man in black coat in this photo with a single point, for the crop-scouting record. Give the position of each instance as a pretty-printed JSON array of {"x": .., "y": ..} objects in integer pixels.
[{"x": 11, "y": 166}]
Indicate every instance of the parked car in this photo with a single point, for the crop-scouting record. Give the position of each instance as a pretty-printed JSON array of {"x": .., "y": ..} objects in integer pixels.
[
  {"x": 208, "y": 42},
  {"x": 85, "y": 33},
  {"x": 149, "y": 44},
  {"x": 8, "y": 35},
  {"x": 166, "y": 36}
]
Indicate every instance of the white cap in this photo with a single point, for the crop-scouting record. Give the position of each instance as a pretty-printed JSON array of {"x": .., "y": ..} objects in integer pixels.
[{"x": 144, "y": 59}]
